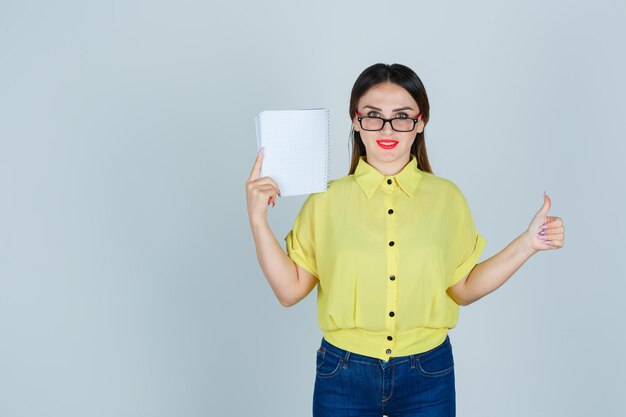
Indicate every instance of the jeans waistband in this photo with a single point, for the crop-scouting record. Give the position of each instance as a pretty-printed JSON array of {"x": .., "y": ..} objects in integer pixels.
[{"x": 347, "y": 355}]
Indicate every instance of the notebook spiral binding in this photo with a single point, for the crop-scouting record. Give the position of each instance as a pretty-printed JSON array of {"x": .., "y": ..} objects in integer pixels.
[{"x": 326, "y": 146}]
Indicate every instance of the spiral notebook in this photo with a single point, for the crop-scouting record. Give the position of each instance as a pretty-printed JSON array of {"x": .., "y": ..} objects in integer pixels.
[{"x": 296, "y": 149}]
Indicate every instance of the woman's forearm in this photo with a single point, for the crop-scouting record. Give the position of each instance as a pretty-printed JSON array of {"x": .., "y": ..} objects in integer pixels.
[
  {"x": 544, "y": 233},
  {"x": 278, "y": 268},
  {"x": 490, "y": 274}
]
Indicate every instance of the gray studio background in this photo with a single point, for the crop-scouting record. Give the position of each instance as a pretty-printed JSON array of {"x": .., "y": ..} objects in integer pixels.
[{"x": 129, "y": 284}]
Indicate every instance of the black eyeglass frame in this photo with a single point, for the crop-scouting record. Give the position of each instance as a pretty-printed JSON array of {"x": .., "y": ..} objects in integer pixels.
[{"x": 414, "y": 119}]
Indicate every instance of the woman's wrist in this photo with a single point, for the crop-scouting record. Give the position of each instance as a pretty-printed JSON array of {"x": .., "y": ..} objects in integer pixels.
[
  {"x": 527, "y": 244},
  {"x": 257, "y": 222}
]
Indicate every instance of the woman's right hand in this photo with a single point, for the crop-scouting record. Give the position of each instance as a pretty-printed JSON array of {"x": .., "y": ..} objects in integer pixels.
[{"x": 260, "y": 192}]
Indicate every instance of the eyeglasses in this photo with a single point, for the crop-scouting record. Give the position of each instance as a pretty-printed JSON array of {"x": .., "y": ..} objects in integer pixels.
[{"x": 373, "y": 124}]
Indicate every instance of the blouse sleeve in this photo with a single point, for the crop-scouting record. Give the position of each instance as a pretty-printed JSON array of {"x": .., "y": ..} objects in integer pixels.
[
  {"x": 301, "y": 239},
  {"x": 468, "y": 245}
]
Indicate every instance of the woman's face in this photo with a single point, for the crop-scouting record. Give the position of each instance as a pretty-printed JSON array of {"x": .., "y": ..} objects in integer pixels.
[{"x": 387, "y": 150}]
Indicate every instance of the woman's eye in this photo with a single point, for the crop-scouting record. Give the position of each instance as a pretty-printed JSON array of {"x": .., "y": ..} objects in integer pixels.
[
  {"x": 402, "y": 115},
  {"x": 373, "y": 114}
]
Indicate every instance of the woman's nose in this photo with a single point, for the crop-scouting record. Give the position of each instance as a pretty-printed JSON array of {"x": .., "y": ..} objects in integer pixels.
[{"x": 387, "y": 127}]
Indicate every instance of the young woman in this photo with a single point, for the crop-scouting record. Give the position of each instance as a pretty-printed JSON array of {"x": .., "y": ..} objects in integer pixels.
[{"x": 393, "y": 250}]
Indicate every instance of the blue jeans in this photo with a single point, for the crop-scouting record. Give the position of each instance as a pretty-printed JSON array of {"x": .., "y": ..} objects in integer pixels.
[{"x": 349, "y": 384}]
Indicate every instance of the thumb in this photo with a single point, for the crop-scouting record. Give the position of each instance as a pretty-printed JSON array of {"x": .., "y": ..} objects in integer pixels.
[{"x": 543, "y": 211}]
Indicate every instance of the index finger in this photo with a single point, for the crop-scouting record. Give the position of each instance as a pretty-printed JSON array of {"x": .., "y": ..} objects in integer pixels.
[
  {"x": 256, "y": 169},
  {"x": 551, "y": 219}
]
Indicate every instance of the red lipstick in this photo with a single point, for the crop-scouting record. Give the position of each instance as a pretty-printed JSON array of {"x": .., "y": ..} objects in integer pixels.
[{"x": 387, "y": 143}]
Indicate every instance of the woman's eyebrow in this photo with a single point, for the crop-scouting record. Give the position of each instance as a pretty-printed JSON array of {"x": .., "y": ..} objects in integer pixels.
[{"x": 377, "y": 109}]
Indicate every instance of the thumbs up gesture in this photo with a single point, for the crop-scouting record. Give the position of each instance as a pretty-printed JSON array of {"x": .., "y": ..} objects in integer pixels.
[{"x": 546, "y": 232}]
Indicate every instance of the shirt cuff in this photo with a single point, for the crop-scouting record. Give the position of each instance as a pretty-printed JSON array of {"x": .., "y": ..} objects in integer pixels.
[
  {"x": 297, "y": 256},
  {"x": 470, "y": 262}
]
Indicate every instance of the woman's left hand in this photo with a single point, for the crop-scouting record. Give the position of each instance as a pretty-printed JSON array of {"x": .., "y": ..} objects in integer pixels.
[{"x": 546, "y": 232}]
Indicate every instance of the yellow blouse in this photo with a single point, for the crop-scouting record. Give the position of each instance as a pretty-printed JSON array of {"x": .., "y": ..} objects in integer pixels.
[{"x": 385, "y": 249}]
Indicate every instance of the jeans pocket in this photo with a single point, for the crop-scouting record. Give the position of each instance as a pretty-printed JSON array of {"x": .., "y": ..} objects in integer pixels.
[
  {"x": 327, "y": 364},
  {"x": 437, "y": 363}
]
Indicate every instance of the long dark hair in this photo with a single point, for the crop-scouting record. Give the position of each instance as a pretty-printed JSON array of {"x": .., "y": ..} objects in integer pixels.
[{"x": 405, "y": 78}]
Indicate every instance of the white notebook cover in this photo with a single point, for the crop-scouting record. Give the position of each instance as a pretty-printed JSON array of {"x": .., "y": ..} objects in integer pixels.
[{"x": 295, "y": 146}]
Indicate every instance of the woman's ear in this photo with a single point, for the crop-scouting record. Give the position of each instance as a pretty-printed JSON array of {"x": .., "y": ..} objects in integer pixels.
[
  {"x": 355, "y": 124},
  {"x": 420, "y": 125}
]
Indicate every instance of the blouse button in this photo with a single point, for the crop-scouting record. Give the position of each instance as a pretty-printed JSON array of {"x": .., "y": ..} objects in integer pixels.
[
  {"x": 391, "y": 243},
  {"x": 388, "y": 351},
  {"x": 391, "y": 314},
  {"x": 392, "y": 277},
  {"x": 389, "y": 338},
  {"x": 390, "y": 211},
  {"x": 389, "y": 181}
]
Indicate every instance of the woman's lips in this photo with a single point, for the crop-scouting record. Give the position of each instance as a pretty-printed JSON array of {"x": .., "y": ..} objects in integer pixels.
[{"x": 387, "y": 143}]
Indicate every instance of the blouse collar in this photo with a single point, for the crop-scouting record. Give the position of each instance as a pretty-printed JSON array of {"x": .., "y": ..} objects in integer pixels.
[{"x": 369, "y": 178}]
